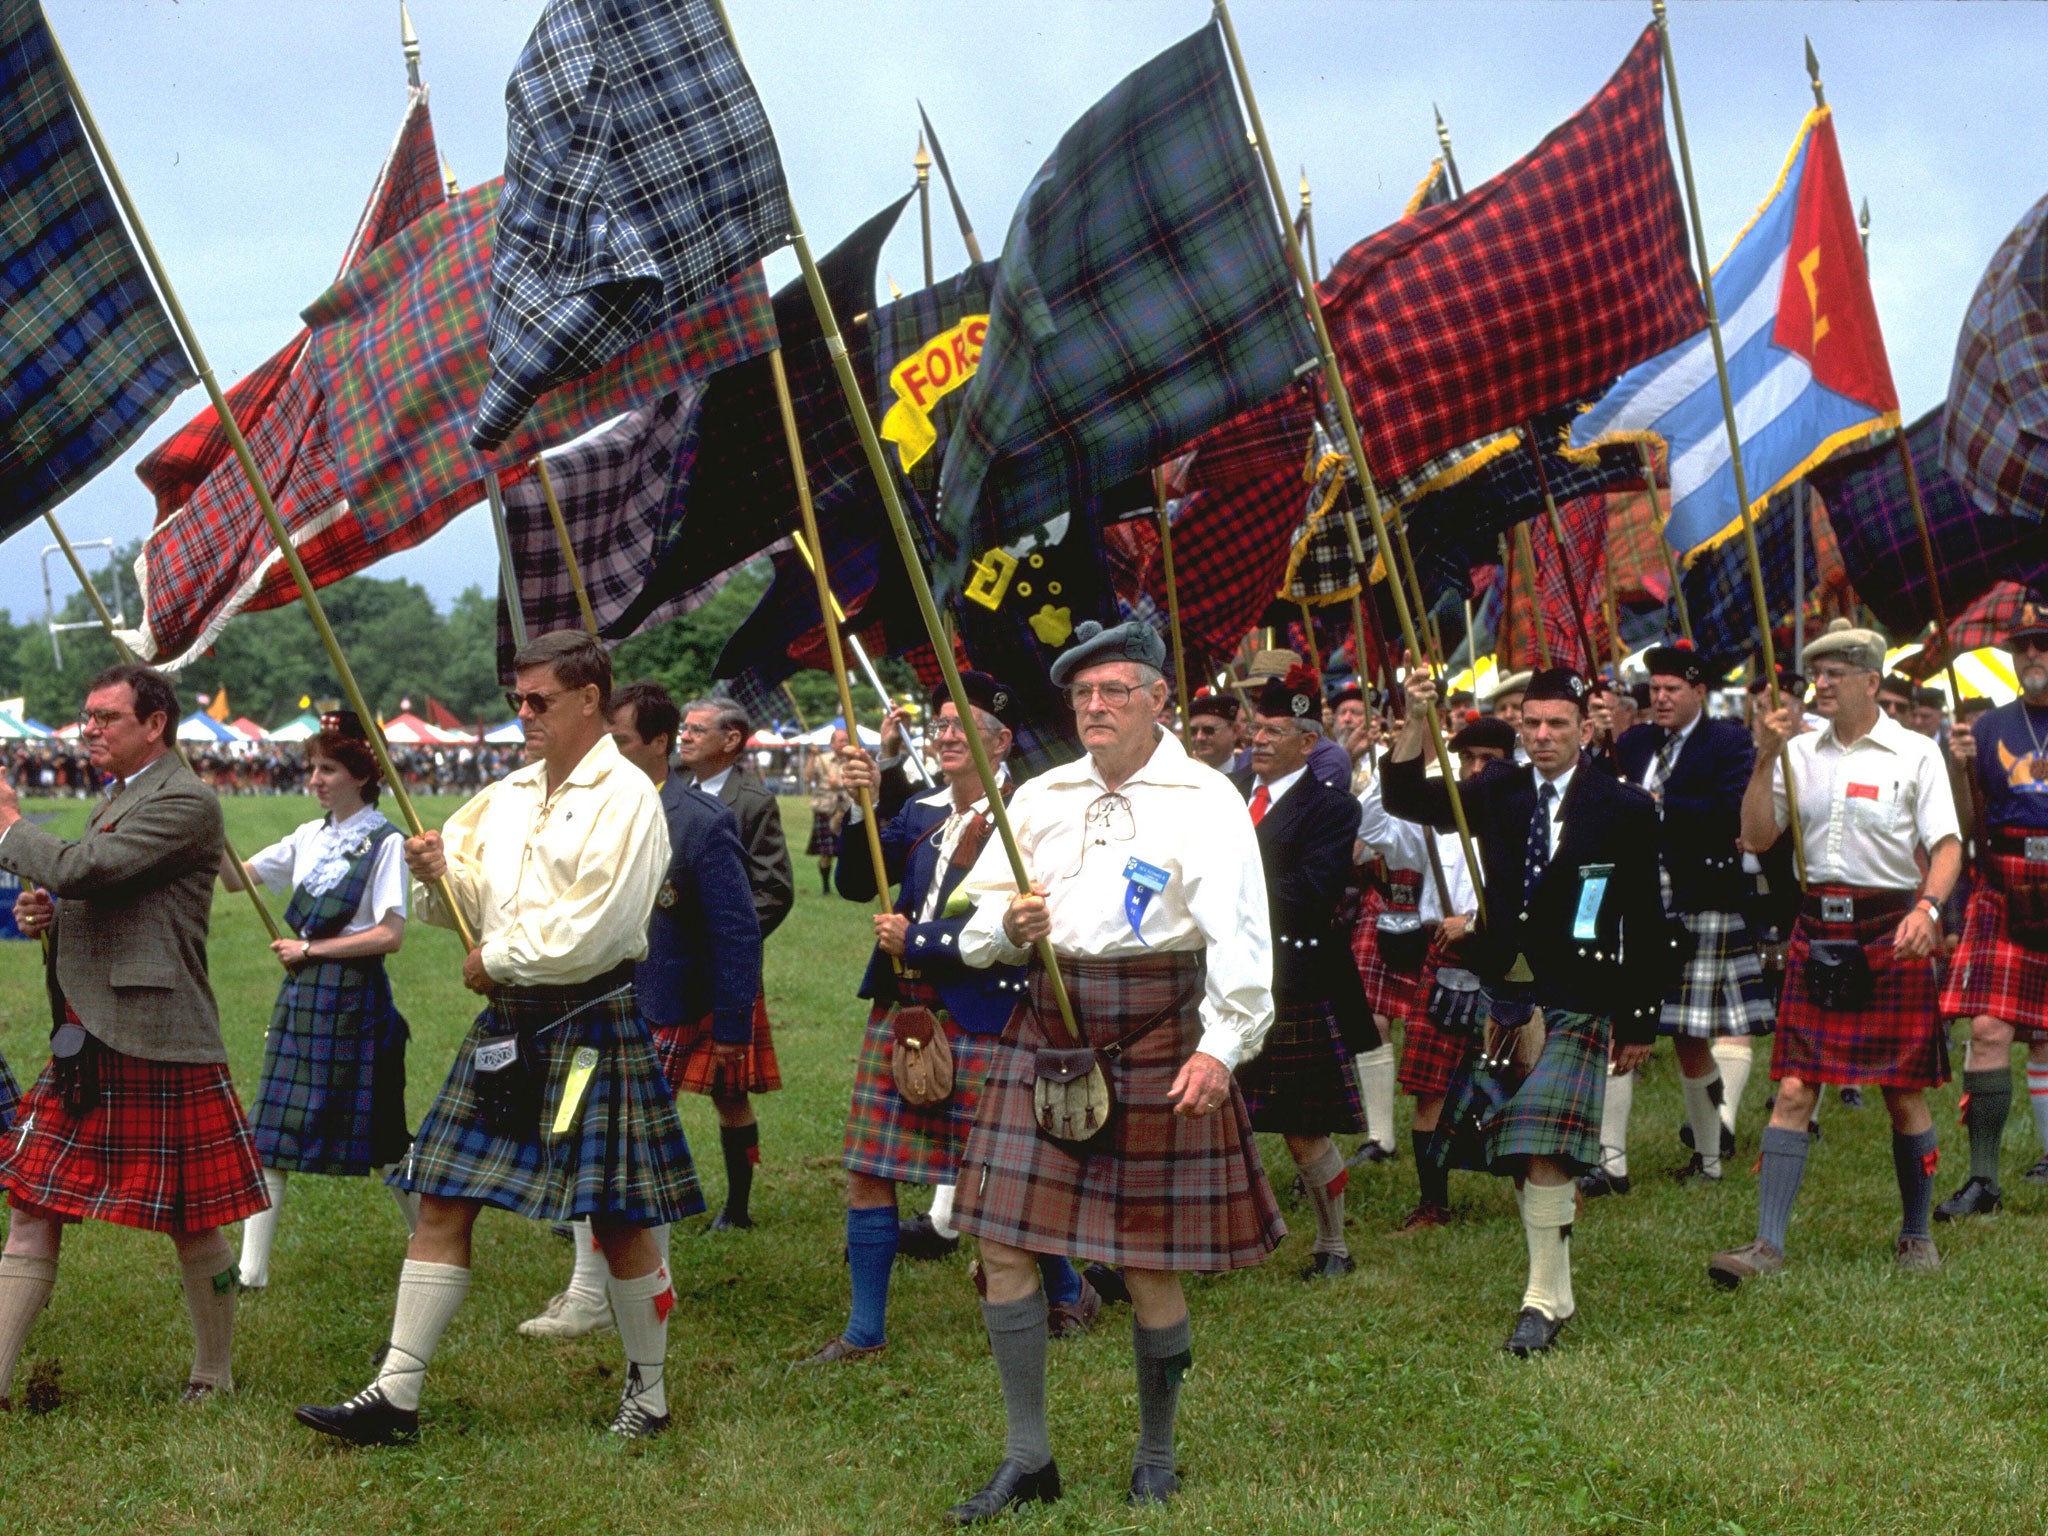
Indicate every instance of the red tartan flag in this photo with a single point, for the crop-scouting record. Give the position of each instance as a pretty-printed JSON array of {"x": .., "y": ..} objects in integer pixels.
[
  {"x": 1581, "y": 574},
  {"x": 1534, "y": 290}
]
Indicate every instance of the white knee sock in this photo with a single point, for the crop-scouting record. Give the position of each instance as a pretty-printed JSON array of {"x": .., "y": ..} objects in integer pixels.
[
  {"x": 1547, "y": 1220},
  {"x": 660, "y": 1236},
  {"x": 1375, "y": 1071},
  {"x": 428, "y": 1296},
  {"x": 641, "y": 1306},
  {"x": 259, "y": 1231},
  {"x": 587, "y": 1279},
  {"x": 1705, "y": 1116},
  {"x": 942, "y": 1210},
  {"x": 408, "y": 1203},
  {"x": 1733, "y": 1054},
  {"x": 2037, "y": 1096},
  {"x": 1621, "y": 1097}
]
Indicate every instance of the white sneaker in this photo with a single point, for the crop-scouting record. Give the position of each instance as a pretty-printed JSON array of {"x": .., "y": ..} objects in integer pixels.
[{"x": 570, "y": 1316}]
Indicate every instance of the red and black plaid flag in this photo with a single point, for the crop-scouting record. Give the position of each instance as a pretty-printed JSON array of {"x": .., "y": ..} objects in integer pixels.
[
  {"x": 1569, "y": 587},
  {"x": 1997, "y": 427},
  {"x": 1872, "y": 515},
  {"x": 1987, "y": 621},
  {"x": 1540, "y": 287}
]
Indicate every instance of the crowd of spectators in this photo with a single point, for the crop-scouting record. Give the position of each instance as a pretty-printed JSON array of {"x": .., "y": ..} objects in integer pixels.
[{"x": 59, "y": 770}]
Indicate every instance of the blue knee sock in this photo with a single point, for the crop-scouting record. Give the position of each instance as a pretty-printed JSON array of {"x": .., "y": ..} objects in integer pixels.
[
  {"x": 1061, "y": 1280},
  {"x": 870, "y": 1255}
]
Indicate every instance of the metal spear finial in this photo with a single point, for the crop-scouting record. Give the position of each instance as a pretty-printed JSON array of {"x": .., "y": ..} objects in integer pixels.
[
  {"x": 1813, "y": 74},
  {"x": 1306, "y": 199},
  {"x": 410, "y": 41},
  {"x": 448, "y": 176},
  {"x": 1863, "y": 225},
  {"x": 922, "y": 160}
]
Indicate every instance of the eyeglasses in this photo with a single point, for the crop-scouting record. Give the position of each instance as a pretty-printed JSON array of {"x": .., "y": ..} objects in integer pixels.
[
  {"x": 536, "y": 701},
  {"x": 102, "y": 718},
  {"x": 1115, "y": 695},
  {"x": 1839, "y": 674},
  {"x": 941, "y": 729},
  {"x": 1275, "y": 732}
]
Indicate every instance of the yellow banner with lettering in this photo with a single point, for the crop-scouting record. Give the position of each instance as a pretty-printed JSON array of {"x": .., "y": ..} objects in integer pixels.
[{"x": 925, "y": 378}]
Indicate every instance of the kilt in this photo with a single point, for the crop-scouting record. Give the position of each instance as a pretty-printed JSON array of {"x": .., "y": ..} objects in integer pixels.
[
  {"x": 1168, "y": 1192},
  {"x": 824, "y": 843},
  {"x": 166, "y": 1148},
  {"x": 1301, "y": 1083},
  {"x": 685, "y": 1053},
  {"x": 10, "y": 1094},
  {"x": 912, "y": 1143},
  {"x": 1554, "y": 1113},
  {"x": 1721, "y": 992},
  {"x": 1390, "y": 994},
  {"x": 1430, "y": 1059},
  {"x": 332, "y": 1096},
  {"x": 624, "y": 1157},
  {"x": 1990, "y": 974},
  {"x": 1895, "y": 1042}
]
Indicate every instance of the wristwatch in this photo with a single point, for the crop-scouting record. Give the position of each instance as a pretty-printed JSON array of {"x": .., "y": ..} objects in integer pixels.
[
  {"x": 1933, "y": 908},
  {"x": 305, "y": 951}
]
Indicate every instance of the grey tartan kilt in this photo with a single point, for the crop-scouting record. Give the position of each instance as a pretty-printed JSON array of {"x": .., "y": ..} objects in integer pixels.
[{"x": 1721, "y": 991}]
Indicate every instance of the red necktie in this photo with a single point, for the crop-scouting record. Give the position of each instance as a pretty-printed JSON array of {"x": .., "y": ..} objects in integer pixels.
[{"x": 1260, "y": 801}]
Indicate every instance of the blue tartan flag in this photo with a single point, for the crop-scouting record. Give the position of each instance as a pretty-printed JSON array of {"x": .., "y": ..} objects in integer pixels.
[
  {"x": 1142, "y": 297},
  {"x": 640, "y": 174},
  {"x": 88, "y": 358}
]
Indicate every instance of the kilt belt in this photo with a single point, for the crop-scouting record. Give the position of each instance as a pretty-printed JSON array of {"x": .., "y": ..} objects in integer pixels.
[{"x": 1893, "y": 1041}]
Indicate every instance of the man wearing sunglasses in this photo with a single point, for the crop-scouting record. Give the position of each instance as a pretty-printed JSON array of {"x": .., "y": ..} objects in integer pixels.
[
  {"x": 1860, "y": 999},
  {"x": 1146, "y": 879},
  {"x": 1999, "y": 979},
  {"x": 135, "y": 1120},
  {"x": 1213, "y": 735},
  {"x": 556, "y": 1108}
]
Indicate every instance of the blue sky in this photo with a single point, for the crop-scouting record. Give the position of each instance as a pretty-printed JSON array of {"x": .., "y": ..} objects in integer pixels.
[{"x": 250, "y": 131}]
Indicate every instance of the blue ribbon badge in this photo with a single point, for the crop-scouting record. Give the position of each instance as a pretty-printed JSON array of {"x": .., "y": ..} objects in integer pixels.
[{"x": 1146, "y": 881}]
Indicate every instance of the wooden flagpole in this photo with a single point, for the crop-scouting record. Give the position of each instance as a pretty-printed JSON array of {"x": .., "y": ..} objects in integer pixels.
[
  {"x": 1564, "y": 559},
  {"x": 1308, "y": 628},
  {"x": 278, "y": 532},
  {"x": 1613, "y": 605},
  {"x": 508, "y": 578},
  {"x": 1308, "y": 224},
  {"x": 106, "y": 618},
  {"x": 1443, "y": 138},
  {"x": 547, "y": 489},
  {"x": 1333, "y": 380},
  {"x": 1664, "y": 544},
  {"x": 1180, "y": 655},
  {"x": 946, "y": 175},
  {"x": 1756, "y": 567},
  {"x": 922, "y": 163},
  {"x": 1526, "y": 551}
]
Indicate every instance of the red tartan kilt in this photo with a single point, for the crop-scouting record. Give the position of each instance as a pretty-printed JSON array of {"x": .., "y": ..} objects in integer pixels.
[
  {"x": 1429, "y": 1058},
  {"x": 166, "y": 1149},
  {"x": 1895, "y": 1042},
  {"x": 1388, "y": 993},
  {"x": 1992, "y": 975},
  {"x": 911, "y": 1143},
  {"x": 685, "y": 1052}
]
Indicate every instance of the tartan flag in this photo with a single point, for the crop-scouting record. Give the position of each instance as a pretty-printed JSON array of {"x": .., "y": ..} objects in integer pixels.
[
  {"x": 1538, "y": 288},
  {"x": 206, "y": 556},
  {"x": 616, "y": 487},
  {"x": 1996, "y": 440},
  {"x": 1433, "y": 191},
  {"x": 88, "y": 357},
  {"x": 1143, "y": 297},
  {"x": 742, "y": 496},
  {"x": 1320, "y": 569},
  {"x": 640, "y": 176},
  {"x": 1985, "y": 621},
  {"x": 1873, "y": 520},
  {"x": 1718, "y": 595},
  {"x": 1569, "y": 590}
]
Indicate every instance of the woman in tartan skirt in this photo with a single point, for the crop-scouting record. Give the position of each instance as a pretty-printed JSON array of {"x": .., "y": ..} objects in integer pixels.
[
  {"x": 332, "y": 1096},
  {"x": 829, "y": 805}
]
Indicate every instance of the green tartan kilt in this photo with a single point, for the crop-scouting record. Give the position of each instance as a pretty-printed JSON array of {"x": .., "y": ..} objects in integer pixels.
[
  {"x": 332, "y": 1096},
  {"x": 1555, "y": 1113}
]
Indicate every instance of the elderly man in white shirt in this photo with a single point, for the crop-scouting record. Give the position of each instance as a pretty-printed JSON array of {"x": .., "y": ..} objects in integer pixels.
[
  {"x": 1861, "y": 1000},
  {"x": 1146, "y": 877}
]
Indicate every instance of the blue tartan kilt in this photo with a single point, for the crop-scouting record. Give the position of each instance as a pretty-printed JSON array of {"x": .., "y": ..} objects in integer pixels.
[
  {"x": 332, "y": 1096},
  {"x": 10, "y": 1094},
  {"x": 621, "y": 1155}
]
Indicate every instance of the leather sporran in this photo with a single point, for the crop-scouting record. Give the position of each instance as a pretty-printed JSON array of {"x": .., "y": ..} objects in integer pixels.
[
  {"x": 2026, "y": 914},
  {"x": 920, "y": 1056},
  {"x": 1838, "y": 976},
  {"x": 508, "y": 1073},
  {"x": 1512, "y": 1042},
  {"x": 1070, "y": 1097},
  {"x": 75, "y": 1070},
  {"x": 1403, "y": 939}
]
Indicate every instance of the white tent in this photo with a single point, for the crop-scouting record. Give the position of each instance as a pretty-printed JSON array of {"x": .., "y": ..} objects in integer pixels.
[
  {"x": 305, "y": 728},
  {"x": 13, "y": 729},
  {"x": 510, "y": 733},
  {"x": 200, "y": 726},
  {"x": 822, "y": 736}
]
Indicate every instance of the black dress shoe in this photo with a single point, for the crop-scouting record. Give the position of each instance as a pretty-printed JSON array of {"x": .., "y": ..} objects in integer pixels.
[
  {"x": 2038, "y": 1174},
  {"x": 1368, "y": 1153},
  {"x": 1727, "y": 1140},
  {"x": 1329, "y": 1266},
  {"x": 1534, "y": 1334},
  {"x": 368, "y": 1418},
  {"x": 1851, "y": 1097},
  {"x": 725, "y": 1221},
  {"x": 1108, "y": 1283},
  {"x": 1977, "y": 1197},
  {"x": 917, "y": 1238},
  {"x": 1600, "y": 1182},
  {"x": 1153, "y": 1485},
  {"x": 1012, "y": 1485}
]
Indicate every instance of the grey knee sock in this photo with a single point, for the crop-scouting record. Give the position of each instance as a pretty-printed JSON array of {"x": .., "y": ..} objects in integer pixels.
[
  {"x": 1784, "y": 1165},
  {"x": 1017, "y": 1338},
  {"x": 1163, "y": 1359},
  {"x": 1913, "y": 1159},
  {"x": 1990, "y": 1103},
  {"x": 1325, "y": 1177}
]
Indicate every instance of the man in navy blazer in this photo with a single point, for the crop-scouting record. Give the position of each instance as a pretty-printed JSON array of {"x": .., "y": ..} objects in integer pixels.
[
  {"x": 928, "y": 846},
  {"x": 703, "y": 959},
  {"x": 1695, "y": 768}
]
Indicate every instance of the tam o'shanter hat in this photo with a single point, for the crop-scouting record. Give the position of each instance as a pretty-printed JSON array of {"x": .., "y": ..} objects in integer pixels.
[
  {"x": 1560, "y": 684},
  {"x": 1294, "y": 696},
  {"x": 1678, "y": 660},
  {"x": 1133, "y": 641},
  {"x": 984, "y": 693},
  {"x": 1208, "y": 701},
  {"x": 1486, "y": 731},
  {"x": 1863, "y": 648}
]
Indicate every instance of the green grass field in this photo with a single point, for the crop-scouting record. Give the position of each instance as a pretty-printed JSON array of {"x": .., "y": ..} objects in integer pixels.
[{"x": 1838, "y": 1399}]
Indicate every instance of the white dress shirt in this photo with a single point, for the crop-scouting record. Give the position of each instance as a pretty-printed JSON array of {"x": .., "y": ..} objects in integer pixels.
[
  {"x": 1402, "y": 844},
  {"x": 951, "y": 830},
  {"x": 556, "y": 887},
  {"x": 1864, "y": 808},
  {"x": 318, "y": 854},
  {"x": 1653, "y": 774},
  {"x": 1563, "y": 782},
  {"x": 1279, "y": 786},
  {"x": 713, "y": 785},
  {"x": 1176, "y": 813}
]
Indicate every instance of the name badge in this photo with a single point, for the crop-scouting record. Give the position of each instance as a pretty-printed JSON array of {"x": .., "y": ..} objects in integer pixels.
[
  {"x": 581, "y": 1067},
  {"x": 1861, "y": 792},
  {"x": 1146, "y": 881},
  {"x": 2037, "y": 850},
  {"x": 497, "y": 1055},
  {"x": 1592, "y": 889}
]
